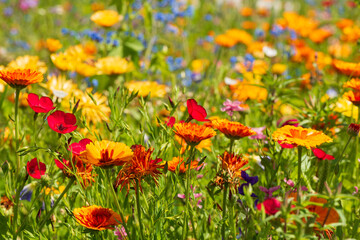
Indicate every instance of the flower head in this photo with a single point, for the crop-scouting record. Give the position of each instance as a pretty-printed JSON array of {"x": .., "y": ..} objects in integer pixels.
[
  {"x": 106, "y": 18},
  {"x": 78, "y": 148},
  {"x": 196, "y": 111},
  {"x": 106, "y": 153},
  {"x": 35, "y": 168},
  {"x": 42, "y": 105},
  {"x": 20, "y": 78},
  {"x": 173, "y": 165},
  {"x": 233, "y": 166},
  {"x": 271, "y": 206},
  {"x": 259, "y": 133},
  {"x": 353, "y": 96},
  {"x": 300, "y": 136},
  {"x": 193, "y": 133},
  {"x": 53, "y": 44},
  {"x": 62, "y": 122},
  {"x": 96, "y": 218},
  {"x": 232, "y": 130},
  {"x": 353, "y": 129},
  {"x": 321, "y": 155},
  {"x": 235, "y": 106},
  {"x": 225, "y": 41}
]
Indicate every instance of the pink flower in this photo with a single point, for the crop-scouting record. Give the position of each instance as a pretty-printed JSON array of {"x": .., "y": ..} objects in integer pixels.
[
  {"x": 231, "y": 107},
  {"x": 289, "y": 182},
  {"x": 259, "y": 133},
  {"x": 62, "y": 122},
  {"x": 42, "y": 105},
  {"x": 35, "y": 168},
  {"x": 268, "y": 192},
  {"x": 170, "y": 122},
  {"x": 271, "y": 206},
  {"x": 120, "y": 233}
]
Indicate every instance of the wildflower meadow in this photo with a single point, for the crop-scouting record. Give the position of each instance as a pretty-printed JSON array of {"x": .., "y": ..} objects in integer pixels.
[{"x": 179, "y": 119}]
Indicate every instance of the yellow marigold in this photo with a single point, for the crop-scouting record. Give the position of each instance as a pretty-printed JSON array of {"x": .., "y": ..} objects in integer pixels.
[
  {"x": 346, "y": 108},
  {"x": 96, "y": 218},
  {"x": 199, "y": 65},
  {"x": 63, "y": 61},
  {"x": 173, "y": 165},
  {"x": 53, "y": 44},
  {"x": 343, "y": 23},
  {"x": 353, "y": 97},
  {"x": 249, "y": 25},
  {"x": 300, "y": 24},
  {"x": 300, "y": 136},
  {"x": 106, "y": 18},
  {"x": 246, "y": 11},
  {"x": 193, "y": 133},
  {"x": 240, "y": 36},
  {"x": 278, "y": 68},
  {"x": 106, "y": 153},
  {"x": 347, "y": 68},
  {"x": 28, "y": 62},
  {"x": 350, "y": 34},
  {"x": 59, "y": 86},
  {"x": 248, "y": 90},
  {"x": 145, "y": 88},
  {"x": 205, "y": 144},
  {"x": 113, "y": 65},
  {"x": 20, "y": 78},
  {"x": 225, "y": 41},
  {"x": 354, "y": 83},
  {"x": 319, "y": 35},
  {"x": 232, "y": 130},
  {"x": 86, "y": 69},
  {"x": 339, "y": 50}
]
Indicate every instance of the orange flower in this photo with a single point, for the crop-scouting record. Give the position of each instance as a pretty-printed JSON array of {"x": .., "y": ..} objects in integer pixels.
[
  {"x": 106, "y": 18},
  {"x": 246, "y": 12},
  {"x": 225, "y": 41},
  {"x": 354, "y": 83},
  {"x": 347, "y": 68},
  {"x": 140, "y": 166},
  {"x": 20, "y": 78},
  {"x": 106, "y": 153},
  {"x": 174, "y": 164},
  {"x": 319, "y": 35},
  {"x": 232, "y": 130},
  {"x": 233, "y": 164},
  {"x": 300, "y": 136},
  {"x": 204, "y": 144},
  {"x": 193, "y": 133},
  {"x": 97, "y": 218},
  {"x": 240, "y": 36},
  {"x": 53, "y": 44},
  {"x": 353, "y": 97}
]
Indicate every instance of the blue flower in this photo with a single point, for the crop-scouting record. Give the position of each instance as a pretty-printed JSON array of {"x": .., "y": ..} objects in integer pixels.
[{"x": 27, "y": 191}]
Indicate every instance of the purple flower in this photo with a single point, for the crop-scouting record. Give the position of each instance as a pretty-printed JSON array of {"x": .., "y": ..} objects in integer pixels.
[
  {"x": 268, "y": 192},
  {"x": 28, "y": 4},
  {"x": 231, "y": 107},
  {"x": 259, "y": 133},
  {"x": 120, "y": 233},
  {"x": 249, "y": 180}
]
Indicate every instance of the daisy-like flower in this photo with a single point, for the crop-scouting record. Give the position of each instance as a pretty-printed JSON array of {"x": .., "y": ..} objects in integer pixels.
[
  {"x": 347, "y": 68},
  {"x": 59, "y": 86},
  {"x": 233, "y": 165},
  {"x": 20, "y": 78},
  {"x": 353, "y": 129},
  {"x": 106, "y": 18},
  {"x": 106, "y": 153},
  {"x": 28, "y": 62},
  {"x": 232, "y": 130},
  {"x": 225, "y": 41},
  {"x": 174, "y": 164},
  {"x": 193, "y": 133},
  {"x": 300, "y": 136},
  {"x": 140, "y": 166},
  {"x": 145, "y": 88},
  {"x": 113, "y": 65},
  {"x": 354, "y": 83},
  {"x": 353, "y": 97},
  {"x": 96, "y": 217}
]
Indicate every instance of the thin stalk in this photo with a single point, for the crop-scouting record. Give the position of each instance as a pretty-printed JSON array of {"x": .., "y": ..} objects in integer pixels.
[
  {"x": 139, "y": 209},
  {"x": 299, "y": 175},
  {"x": 17, "y": 142},
  {"x": 231, "y": 145},
  {"x": 72, "y": 180},
  {"x": 16, "y": 206},
  {"x": 336, "y": 165},
  {"x": 224, "y": 211},
  {"x": 232, "y": 219}
]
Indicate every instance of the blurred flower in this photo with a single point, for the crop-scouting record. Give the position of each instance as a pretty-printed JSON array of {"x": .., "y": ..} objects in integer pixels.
[
  {"x": 120, "y": 233},
  {"x": 193, "y": 133},
  {"x": 53, "y": 44},
  {"x": 27, "y": 191},
  {"x": 300, "y": 136},
  {"x": 278, "y": 68},
  {"x": 232, "y": 130},
  {"x": 78, "y": 148},
  {"x": 173, "y": 165},
  {"x": 259, "y": 133},
  {"x": 196, "y": 111},
  {"x": 289, "y": 182},
  {"x": 106, "y": 18},
  {"x": 246, "y": 11},
  {"x": 196, "y": 195},
  {"x": 35, "y": 168},
  {"x": 144, "y": 88},
  {"x": 42, "y": 105},
  {"x": 353, "y": 97},
  {"x": 106, "y": 153},
  {"x": 353, "y": 129},
  {"x": 230, "y": 107},
  {"x": 96, "y": 218},
  {"x": 270, "y": 205},
  {"x": 319, "y": 35},
  {"x": 25, "y": 5},
  {"x": 20, "y": 78},
  {"x": 321, "y": 155},
  {"x": 199, "y": 65},
  {"x": 347, "y": 68},
  {"x": 62, "y": 122},
  {"x": 28, "y": 62},
  {"x": 113, "y": 65},
  {"x": 170, "y": 122},
  {"x": 59, "y": 86},
  {"x": 245, "y": 90},
  {"x": 225, "y": 41},
  {"x": 269, "y": 52},
  {"x": 240, "y": 36},
  {"x": 7, "y": 205},
  {"x": 268, "y": 192}
]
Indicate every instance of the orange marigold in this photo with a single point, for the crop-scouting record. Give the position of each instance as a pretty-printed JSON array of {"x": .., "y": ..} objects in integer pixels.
[
  {"x": 193, "y": 133},
  {"x": 300, "y": 136},
  {"x": 20, "y": 78},
  {"x": 225, "y": 41},
  {"x": 106, "y": 153},
  {"x": 173, "y": 165},
  {"x": 97, "y": 218},
  {"x": 106, "y": 18},
  {"x": 140, "y": 166},
  {"x": 353, "y": 97},
  {"x": 233, "y": 164},
  {"x": 354, "y": 83},
  {"x": 232, "y": 130},
  {"x": 347, "y": 68}
]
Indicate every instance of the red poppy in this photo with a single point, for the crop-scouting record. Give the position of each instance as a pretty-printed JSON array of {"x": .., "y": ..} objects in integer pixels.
[
  {"x": 62, "y": 122},
  {"x": 42, "y": 105},
  {"x": 196, "y": 111},
  {"x": 35, "y": 168},
  {"x": 62, "y": 164},
  {"x": 271, "y": 206},
  {"x": 77, "y": 148},
  {"x": 170, "y": 122},
  {"x": 321, "y": 155}
]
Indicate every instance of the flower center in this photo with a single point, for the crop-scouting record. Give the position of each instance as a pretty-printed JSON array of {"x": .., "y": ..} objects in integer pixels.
[{"x": 60, "y": 127}]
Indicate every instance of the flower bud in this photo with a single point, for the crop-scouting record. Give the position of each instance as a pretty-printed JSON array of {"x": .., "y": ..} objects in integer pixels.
[{"x": 353, "y": 129}]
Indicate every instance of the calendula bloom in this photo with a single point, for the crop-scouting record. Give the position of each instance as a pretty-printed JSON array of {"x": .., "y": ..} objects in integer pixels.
[
  {"x": 300, "y": 136},
  {"x": 240, "y": 36},
  {"x": 353, "y": 129},
  {"x": 113, "y": 65},
  {"x": 353, "y": 97},
  {"x": 28, "y": 62},
  {"x": 35, "y": 168},
  {"x": 42, "y": 105},
  {"x": 347, "y": 68},
  {"x": 234, "y": 165},
  {"x": 106, "y": 18},
  {"x": 278, "y": 68},
  {"x": 173, "y": 165},
  {"x": 193, "y": 133},
  {"x": 62, "y": 122},
  {"x": 319, "y": 35},
  {"x": 96, "y": 217},
  {"x": 20, "y": 78},
  {"x": 354, "y": 83},
  {"x": 140, "y": 166},
  {"x": 59, "y": 86},
  {"x": 225, "y": 41},
  {"x": 204, "y": 144},
  {"x": 53, "y": 44},
  {"x": 106, "y": 153},
  {"x": 232, "y": 130},
  {"x": 144, "y": 88}
]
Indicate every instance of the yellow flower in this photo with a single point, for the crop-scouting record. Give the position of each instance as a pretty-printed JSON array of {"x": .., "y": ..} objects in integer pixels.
[
  {"x": 278, "y": 68},
  {"x": 106, "y": 18},
  {"x": 146, "y": 87},
  {"x": 248, "y": 90},
  {"x": 199, "y": 65},
  {"x": 113, "y": 65},
  {"x": 86, "y": 69},
  {"x": 59, "y": 86},
  {"x": 53, "y": 44},
  {"x": 300, "y": 136},
  {"x": 225, "y": 41},
  {"x": 240, "y": 36},
  {"x": 193, "y": 133},
  {"x": 106, "y": 153},
  {"x": 346, "y": 108},
  {"x": 30, "y": 62}
]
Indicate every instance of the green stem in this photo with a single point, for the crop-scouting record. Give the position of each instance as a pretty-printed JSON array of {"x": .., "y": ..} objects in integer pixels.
[
  {"x": 224, "y": 211},
  {"x": 231, "y": 145},
  {"x": 139, "y": 209},
  {"x": 336, "y": 165},
  {"x": 17, "y": 142},
  {"x": 72, "y": 180},
  {"x": 233, "y": 219},
  {"x": 299, "y": 175},
  {"x": 16, "y": 207},
  {"x": 117, "y": 203}
]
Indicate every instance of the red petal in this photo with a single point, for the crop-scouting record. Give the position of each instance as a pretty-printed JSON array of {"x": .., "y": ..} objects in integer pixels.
[
  {"x": 46, "y": 103},
  {"x": 33, "y": 170},
  {"x": 70, "y": 119},
  {"x": 319, "y": 153}
]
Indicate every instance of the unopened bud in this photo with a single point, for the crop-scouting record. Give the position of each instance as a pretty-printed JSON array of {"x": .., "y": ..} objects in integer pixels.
[{"x": 353, "y": 129}]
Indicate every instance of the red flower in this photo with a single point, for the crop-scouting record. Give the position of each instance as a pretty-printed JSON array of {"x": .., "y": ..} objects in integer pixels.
[
  {"x": 35, "y": 168},
  {"x": 170, "y": 122},
  {"x": 62, "y": 164},
  {"x": 286, "y": 145},
  {"x": 42, "y": 105},
  {"x": 271, "y": 205},
  {"x": 196, "y": 111},
  {"x": 62, "y": 122},
  {"x": 77, "y": 148},
  {"x": 321, "y": 155}
]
